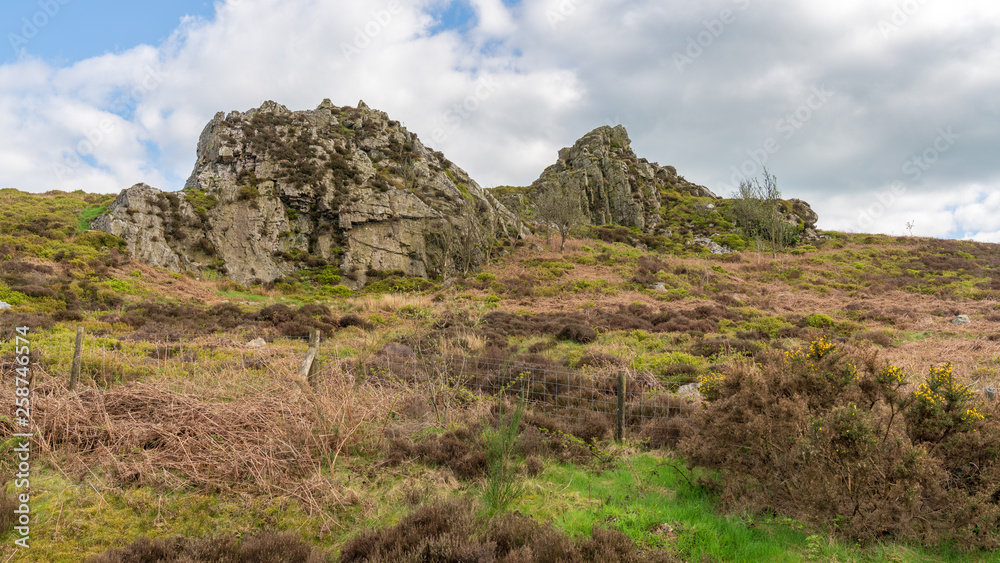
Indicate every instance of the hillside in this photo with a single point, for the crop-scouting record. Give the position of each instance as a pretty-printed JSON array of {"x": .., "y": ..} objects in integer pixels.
[
  {"x": 390, "y": 446},
  {"x": 276, "y": 193},
  {"x": 478, "y": 394}
]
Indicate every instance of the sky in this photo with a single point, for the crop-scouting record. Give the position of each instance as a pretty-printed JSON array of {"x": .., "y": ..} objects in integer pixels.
[{"x": 883, "y": 114}]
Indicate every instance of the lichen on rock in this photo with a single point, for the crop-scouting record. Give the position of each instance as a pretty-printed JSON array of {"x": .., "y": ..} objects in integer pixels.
[{"x": 274, "y": 191}]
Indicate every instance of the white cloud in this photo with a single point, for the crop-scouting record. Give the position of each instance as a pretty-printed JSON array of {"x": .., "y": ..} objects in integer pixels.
[
  {"x": 493, "y": 18},
  {"x": 556, "y": 69}
]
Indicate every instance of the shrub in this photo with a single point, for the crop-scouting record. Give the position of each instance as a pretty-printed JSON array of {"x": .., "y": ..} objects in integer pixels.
[
  {"x": 200, "y": 201},
  {"x": 248, "y": 192},
  {"x": 354, "y": 320},
  {"x": 261, "y": 548},
  {"x": 767, "y": 326},
  {"x": 450, "y": 532},
  {"x": 720, "y": 346},
  {"x": 827, "y": 436},
  {"x": 817, "y": 320},
  {"x": 99, "y": 240},
  {"x": 578, "y": 333}
]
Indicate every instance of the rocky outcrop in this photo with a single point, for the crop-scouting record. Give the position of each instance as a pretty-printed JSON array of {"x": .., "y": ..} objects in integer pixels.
[
  {"x": 611, "y": 185},
  {"x": 274, "y": 191},
  {"x": 608, "y": 184}
]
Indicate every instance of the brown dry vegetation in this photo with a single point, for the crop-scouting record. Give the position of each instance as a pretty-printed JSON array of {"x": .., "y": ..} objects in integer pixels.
[{"x": 408, "y": 381}]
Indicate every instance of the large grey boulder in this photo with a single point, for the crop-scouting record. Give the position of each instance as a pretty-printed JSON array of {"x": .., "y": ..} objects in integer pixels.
[{"x": 274, "y": 191}]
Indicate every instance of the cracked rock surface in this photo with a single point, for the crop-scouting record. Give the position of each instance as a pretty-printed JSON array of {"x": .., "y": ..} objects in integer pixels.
[{"x": 274, "y": 191}]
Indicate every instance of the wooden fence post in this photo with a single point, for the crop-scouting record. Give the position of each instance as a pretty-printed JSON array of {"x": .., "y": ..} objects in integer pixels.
[
  {"x": 308, "y": 370},
  {"x": 620, "y": 422},
  {"x": 74, "y": 374}
]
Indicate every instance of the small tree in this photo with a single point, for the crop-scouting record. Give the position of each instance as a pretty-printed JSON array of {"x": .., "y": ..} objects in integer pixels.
[
  {"x": 757, "y": 209},
  {"x": 554, "y": 206}
]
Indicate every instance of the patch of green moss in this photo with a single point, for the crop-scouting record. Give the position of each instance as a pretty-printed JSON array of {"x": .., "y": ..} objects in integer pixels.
[{"x": 200, "y": 201}]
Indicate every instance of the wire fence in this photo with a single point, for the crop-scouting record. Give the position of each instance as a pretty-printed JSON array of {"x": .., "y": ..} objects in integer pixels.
[{"x": 632, "y": 404}]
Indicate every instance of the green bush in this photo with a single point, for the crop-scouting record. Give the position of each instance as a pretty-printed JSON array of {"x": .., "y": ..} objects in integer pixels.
[
  {"x": 248, "y": 192},
  {"x": 338, "y": 291},
  {"x": 329, "y": 276},
  {"x": 833, "y": 438},
  {"x": 10, "y": 296},
  {"x": 200, "y": 201},
  {"x": 818, "y": 320},
  {"x": 737, "y": 242},
  {"x": 485, "y": 277},
  {"x": 99, "y": 240},
  {"x": 770, "y": 326}
]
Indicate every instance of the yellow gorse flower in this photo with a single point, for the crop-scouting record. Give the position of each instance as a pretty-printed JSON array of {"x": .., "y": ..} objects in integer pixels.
[
  {"x": 709, "y": 383},
  {"x": 972, "y": 415},
  {"x": 820, "y": 348}
]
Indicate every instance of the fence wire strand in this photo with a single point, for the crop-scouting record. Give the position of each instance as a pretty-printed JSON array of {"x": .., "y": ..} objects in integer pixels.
[{"x": 653, "y": 407}]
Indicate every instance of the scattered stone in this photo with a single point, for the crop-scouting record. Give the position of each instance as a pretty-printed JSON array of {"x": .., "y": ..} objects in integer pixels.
[
  {"x": 257, "y": 343},
  {"x": 991, "y": 393},
  {"x": 689, "y": 390},
  {"x": 659, "y": 287},
  {"x": 961, "y": 320},
  {"x": 713, "y": 246},
  {"x": 4, "y": 305}
]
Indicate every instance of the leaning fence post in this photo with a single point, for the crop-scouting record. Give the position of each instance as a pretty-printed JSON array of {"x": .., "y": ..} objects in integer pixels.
[
  {"x": 308, "y": 370},
  {"x": 620, "y": 422},
  {"x": 74, "y": 373}
]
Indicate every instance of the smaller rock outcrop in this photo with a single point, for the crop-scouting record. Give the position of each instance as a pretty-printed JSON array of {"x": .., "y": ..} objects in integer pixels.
[
  {"x": 602, "y": 180},
  {"x": 602, "y": 176}
]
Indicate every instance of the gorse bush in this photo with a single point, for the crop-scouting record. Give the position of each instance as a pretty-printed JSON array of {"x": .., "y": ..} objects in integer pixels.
[{"x": 836, "y": 437}]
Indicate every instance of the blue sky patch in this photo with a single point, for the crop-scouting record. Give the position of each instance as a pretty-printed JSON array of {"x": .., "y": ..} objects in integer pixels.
[
  {"x": 456, "y": 15},
  {"x": 66, "y": 31}
]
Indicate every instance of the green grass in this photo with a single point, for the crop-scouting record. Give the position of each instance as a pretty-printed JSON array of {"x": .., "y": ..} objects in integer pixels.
[
  {"x": 88, "y": 215},
  {"x": 642, "y": 495},
  {"x": 645, "y": 492}
]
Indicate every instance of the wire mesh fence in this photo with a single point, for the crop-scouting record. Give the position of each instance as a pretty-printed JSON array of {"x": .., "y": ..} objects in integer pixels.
[{"x": 634, "y": 404}]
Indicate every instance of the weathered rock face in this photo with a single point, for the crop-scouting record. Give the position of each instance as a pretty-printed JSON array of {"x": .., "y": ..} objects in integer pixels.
[
  {"x": 603, "y": 178},
  {"x": 274, "y": 191},
  {"x": 611, "y": 185}
]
